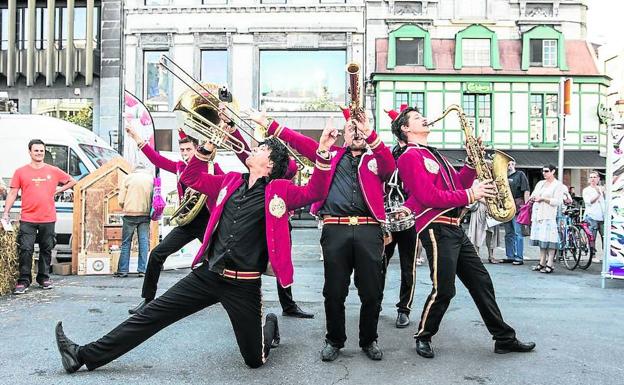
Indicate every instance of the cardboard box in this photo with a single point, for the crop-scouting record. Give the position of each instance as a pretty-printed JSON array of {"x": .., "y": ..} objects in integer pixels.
[
  {"x": 62, "y": 268},
  {"x": 99, "y": 265},
  {"x": 111, "y": 233}
]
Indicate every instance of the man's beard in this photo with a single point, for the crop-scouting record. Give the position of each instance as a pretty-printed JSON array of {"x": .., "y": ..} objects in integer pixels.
[{"x": 358, "y": 147}]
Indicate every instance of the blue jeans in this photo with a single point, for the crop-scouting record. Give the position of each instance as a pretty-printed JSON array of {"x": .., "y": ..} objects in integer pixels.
[
  {"x": 130, "y": 224},
  {"x": 514, "y": 241}
]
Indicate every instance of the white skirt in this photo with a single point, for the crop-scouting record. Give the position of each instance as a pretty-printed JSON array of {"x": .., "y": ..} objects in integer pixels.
[{"x": 545, "y": 234}]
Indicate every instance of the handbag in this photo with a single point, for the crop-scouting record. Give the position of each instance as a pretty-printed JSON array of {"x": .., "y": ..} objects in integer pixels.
[
  {"x": 158, "y": 203},
  {"x": 524, "y": 214}
]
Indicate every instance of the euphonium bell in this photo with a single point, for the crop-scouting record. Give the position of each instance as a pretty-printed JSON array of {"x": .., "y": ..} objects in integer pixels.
[{"x": 197, "y": 113}]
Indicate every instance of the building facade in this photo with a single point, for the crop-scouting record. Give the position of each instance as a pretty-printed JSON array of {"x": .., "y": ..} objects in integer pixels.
[
  {"x": 61, "y": 58},
  {"x": 286, "y": 57},
  {"x": 502, "y": 62}
]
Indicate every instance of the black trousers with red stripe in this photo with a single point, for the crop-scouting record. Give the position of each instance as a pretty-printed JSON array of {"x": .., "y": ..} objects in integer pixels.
[
  {"x": 406, "y": 242},
  {"x": 450, "y": 253},
  {"x": 242, "y": 300},
  {"x": 347, "y": 249}
]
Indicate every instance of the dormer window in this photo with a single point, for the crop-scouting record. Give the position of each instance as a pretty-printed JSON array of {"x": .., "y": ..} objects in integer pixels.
[
  {"x": 543, "y": 46},
  {"x": 409, "y": 51},
  {"x": 543, "y": 52},
  {"x": 476, "y": 52},
  {"x": 409, "y": 45},
  {"x": 476, "y": 46}
]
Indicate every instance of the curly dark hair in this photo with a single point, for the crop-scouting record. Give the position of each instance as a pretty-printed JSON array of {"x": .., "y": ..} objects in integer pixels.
[
  {"x": 401, "y": 121},
  {"x": 279, "y": 157}
]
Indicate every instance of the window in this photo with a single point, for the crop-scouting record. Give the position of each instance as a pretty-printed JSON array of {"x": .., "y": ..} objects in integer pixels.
[
  {"x": 400, "y": 98},
  {"x": 543, "y": 53},
  {"x": 478, "y": 110},
  {"x": 77, "y": 168},
  {"x": 413, "y": 99},
  {"x": 157, "y": 2},
  {"x": 214, "y": 67},
  {"x": 544, "y": 122},
  {"x": 4, "y": 29},
  {"x": 409, "y": 51},
  {"x": 302, "y": 80},
  {"x": 543, "y": 46},
  {"x": 155, "y": 82},
  {"x": 98, "y": 155},
  {"x": 476, "y": 52},
  {"x": 56, "y": 155},
  {"x": 409, "y": 45}
]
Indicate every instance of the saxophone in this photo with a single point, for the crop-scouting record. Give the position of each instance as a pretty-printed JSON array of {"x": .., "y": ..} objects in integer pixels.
[{"x": 501, "y": 207}]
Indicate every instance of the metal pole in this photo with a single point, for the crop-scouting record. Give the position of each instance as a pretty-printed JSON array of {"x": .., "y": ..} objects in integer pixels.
[{"x": 561, "y": 135}]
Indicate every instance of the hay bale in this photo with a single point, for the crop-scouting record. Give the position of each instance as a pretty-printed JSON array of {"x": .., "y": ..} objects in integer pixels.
[{"x": 9, "y": 260}]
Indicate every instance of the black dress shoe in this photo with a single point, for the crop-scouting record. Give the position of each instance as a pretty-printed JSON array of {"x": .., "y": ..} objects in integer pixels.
[
  {"x": 68, "y": 350},
  {"x": 373, "y": 352},
  {"x": 297, "y": 313},
  {"x": 329, "y": 352},
  {"x": 276, "y": 334},
  {"x": 139, "y": 307},
  {"x": 424, "y": 349},
  {"x": 513, "y": 346},
  {"x": 402, "y": 320}
]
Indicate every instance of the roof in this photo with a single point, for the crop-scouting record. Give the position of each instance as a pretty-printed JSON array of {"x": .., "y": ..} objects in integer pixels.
[
  {"x": 577, "y": 159},
  {"x": 580, "y": 59}
]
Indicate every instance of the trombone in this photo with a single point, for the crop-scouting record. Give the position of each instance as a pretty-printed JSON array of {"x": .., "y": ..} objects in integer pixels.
[{"x": 211, "y": 130}]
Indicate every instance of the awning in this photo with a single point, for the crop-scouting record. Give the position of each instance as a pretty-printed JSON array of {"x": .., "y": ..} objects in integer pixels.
[{"x": 578, "y": 159}]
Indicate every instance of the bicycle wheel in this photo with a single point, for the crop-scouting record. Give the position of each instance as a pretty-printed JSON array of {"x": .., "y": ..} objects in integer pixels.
[
  {"x": 584, "y": 251},
  {"x": 570, "y": 248}
]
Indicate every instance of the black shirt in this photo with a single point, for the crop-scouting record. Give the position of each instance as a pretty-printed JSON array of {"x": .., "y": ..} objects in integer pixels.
[
  {"x": 456, "y": 212},
  {"x": 518, "y": 183},
  {"x": 239, "y": 242},
  {"x": 345, "y": 195}
]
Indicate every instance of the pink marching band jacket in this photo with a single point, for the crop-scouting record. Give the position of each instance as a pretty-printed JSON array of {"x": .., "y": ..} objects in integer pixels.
[
  {"x": 376, "y": 166},
  {"x": 174, "y": 167},
  {"x": 281, "y": 195},
  {"x": 292, "y": 165},
  {"x": 431, "y": 191}
]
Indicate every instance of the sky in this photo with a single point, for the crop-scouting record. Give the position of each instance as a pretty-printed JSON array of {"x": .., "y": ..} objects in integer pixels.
[{"x": 603, "y": 20}]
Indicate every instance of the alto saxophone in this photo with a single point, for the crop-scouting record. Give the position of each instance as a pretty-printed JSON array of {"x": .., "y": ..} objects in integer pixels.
[{"x": 501, "y": 207}]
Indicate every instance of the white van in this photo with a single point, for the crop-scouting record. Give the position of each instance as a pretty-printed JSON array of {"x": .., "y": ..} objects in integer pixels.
[{"x": 72, "y": 148}]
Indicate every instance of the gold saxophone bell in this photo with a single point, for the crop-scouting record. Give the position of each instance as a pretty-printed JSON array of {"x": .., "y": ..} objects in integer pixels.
[{"x": 502, "y": 206}]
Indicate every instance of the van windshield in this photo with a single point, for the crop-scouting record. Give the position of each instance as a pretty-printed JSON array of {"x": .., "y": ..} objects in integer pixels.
[{"x": 98, "y": 155}]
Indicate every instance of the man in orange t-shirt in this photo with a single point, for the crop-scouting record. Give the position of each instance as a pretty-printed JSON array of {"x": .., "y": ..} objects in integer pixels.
[{"x": 39, "y": 183}]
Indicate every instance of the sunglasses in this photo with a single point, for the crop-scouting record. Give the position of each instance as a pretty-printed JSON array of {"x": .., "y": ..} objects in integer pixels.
[{"x": 547, "y": 170}]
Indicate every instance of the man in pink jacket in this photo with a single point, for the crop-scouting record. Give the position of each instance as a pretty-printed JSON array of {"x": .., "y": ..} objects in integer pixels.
[
  {"x": 352, "y": 238},
  {"x": 437, "y": 195},
  {"x": 247, "y": 230},
  {"x": 180, "y": 235}
]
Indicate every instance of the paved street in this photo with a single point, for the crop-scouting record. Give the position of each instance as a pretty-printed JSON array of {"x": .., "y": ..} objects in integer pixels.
[{"x": 576, "y": 324}]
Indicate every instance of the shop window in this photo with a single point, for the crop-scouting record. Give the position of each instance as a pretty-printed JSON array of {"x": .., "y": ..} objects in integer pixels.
[
  {"x": 543, "y": 115},
  {"x": 478, "y": 110},
  {"x": 310, "y": 80},
  {"x": 155, "y": 82}
]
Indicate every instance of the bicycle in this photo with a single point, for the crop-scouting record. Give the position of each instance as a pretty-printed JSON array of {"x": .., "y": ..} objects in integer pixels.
[{"x": 577, "y": 240}]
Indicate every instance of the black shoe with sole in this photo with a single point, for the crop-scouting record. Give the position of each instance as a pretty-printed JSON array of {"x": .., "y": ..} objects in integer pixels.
[
  {"x": 68, "y": 350},
  {"x": 276, "y": 334},
  {"x": 329, "y": 352},
  {"x": 373, "y": 352},
  {"x": 402, "y": 320},
  {"x": 296, "y": 312},
  {"x": 424, "y": 349},
  {"x": 139, "y": 307},
  {"x": 513, "y": 346}
]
